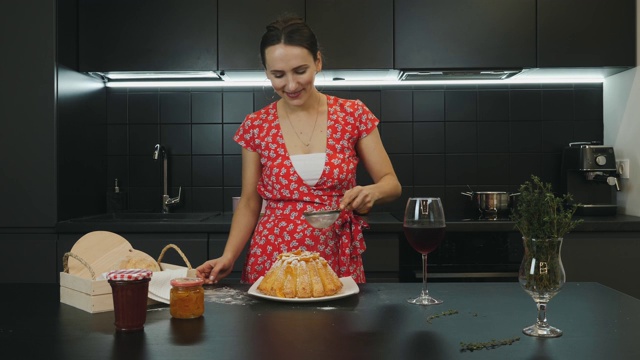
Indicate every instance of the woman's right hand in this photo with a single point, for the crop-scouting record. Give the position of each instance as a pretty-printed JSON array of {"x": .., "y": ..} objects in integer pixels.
[{"x": 214, "y": 270}]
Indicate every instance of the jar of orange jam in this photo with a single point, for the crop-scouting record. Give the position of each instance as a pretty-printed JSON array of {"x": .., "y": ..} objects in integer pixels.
[{"x": 187, "y": 298}]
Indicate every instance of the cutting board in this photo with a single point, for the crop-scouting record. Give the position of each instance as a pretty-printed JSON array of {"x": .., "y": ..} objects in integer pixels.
[{"x": 101, "y": 249}]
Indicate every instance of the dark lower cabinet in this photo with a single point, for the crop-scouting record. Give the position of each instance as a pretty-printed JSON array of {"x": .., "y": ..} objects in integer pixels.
[
  {"x": 147, "y": 35},
  {"x": 453, "y": 34},
  {"x": 610, "y": 259},
  {"x": 586, "y": 33},
  {"x": 27, "y": 258},
  {"x": 381, "y": 258}
]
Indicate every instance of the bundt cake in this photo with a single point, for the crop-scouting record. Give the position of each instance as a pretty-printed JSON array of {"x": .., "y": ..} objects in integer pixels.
[{"x": 300, "y": 274}]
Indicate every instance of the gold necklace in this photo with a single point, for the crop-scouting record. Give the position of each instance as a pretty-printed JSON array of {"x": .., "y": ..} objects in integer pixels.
[{"x": 312, "y": 130}]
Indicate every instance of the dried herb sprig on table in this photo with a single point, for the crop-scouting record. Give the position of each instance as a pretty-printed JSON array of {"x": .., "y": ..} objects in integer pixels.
[
  {"x": 444, "y": 313},
  {"x": 486, "y": 345}
]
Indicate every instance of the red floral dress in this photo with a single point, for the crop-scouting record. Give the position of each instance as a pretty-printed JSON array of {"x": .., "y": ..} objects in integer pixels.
[{"x": 283, "y": 228}]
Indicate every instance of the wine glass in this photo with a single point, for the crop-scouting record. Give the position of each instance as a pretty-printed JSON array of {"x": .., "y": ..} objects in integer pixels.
[
  {"x": 424, "y": 227},
  {"x": 542, "y": 276}
]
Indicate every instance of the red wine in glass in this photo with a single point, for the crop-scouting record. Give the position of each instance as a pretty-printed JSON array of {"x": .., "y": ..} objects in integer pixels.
[
  {"x": 424, "y": 239},
  {"x": 424, "y": 227}
]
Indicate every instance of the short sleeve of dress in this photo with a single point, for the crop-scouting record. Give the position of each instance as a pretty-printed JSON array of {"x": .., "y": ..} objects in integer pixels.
[
  {"x": 246, "y": 135},
  {"x": 367, "y": 122}
]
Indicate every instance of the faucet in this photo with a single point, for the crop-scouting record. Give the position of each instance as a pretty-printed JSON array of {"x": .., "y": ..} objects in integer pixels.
[{"x": 159, "y": 151}]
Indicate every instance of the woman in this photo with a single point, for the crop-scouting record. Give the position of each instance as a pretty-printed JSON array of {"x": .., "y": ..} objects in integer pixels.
[{"x": 300, "y": 154}]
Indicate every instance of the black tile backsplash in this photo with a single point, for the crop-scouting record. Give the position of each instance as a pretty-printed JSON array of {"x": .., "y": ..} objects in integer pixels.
[
  {"x": 493, "y": 137},
  {"x": 428, "y": 137},
  {"x": 207, "y": 171},
  {"x": 588, "y": 104},
  {"x": 493, "y": 105},
  {"x": 175, "y": 108},
  {"x": 428, "y": 169},
  {"x": 206, "y": 107},
  {"x": 461, "y": 169},
  {"x": 392, "y": 132},
  {"x": 142, "y": 139},
  {"x": 557, "y": 105},
  {"x": 180, "y": 171},
  {"x": 556, "y": 135},
  {"x": 117, "y": 144},
  {"x": 142, "y": 108},
  {"x": 525, "y": 137},
  {"x": 461, "y": 105},
  {"x": 428, "y": 105},
  {"x": 493, "y": 169},
  {"x": 232, "y": 169},
  {"x": 461, "y": 137},
  {"x": 526, "y": 105},
  {"x": 236, "y": 105},
  {"x": 206, "y": 139},
  {"x": 117, "y": 109},
  {"x": 396, "y": 105},
  {"x": 441, "y": 139},
  {"x": 228, "y": 145},
  {"x": 177, "y": 138},
  {"x": 587, "y": 130}
]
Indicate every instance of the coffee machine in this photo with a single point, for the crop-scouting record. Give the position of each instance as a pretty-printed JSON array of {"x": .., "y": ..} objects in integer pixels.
[{"x": 589, "y": 174}]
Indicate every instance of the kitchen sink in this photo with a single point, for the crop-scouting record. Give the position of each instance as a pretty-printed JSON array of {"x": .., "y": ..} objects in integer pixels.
[{"x": 147, "y": 217}]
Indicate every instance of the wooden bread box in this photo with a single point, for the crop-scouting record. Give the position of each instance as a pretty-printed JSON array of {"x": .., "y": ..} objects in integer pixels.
[{"x": 81, "y": 282}]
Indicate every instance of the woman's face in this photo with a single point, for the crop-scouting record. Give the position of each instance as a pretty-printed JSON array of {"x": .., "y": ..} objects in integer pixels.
[{"x": 292, "y": 71}]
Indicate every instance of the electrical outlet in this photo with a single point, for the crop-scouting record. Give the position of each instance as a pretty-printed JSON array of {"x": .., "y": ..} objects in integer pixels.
[{"x": 623, "y": 168}]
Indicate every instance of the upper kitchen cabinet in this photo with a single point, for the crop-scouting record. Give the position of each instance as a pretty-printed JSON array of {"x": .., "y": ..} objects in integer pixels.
[
  {"x": 455, "y": 34},
  {"x": 586, "y": 33},
  {"x": 241, "y": 25},
  {"x": 147, "y": 35},
  {"x": 353, "y": 34}
]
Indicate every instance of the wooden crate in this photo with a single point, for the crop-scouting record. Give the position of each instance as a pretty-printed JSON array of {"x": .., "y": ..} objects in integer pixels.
[{"x": 94, "y": 296}]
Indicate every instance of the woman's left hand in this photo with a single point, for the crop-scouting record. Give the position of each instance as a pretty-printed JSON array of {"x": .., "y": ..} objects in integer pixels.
[{"x": 360, "y": 199}]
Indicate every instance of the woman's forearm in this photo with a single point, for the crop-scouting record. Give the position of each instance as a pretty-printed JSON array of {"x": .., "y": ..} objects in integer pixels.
[{"x": 388, "y": 189}]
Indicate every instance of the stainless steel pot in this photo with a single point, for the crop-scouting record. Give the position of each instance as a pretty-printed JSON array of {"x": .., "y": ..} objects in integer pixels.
[{"x": 490, "y": 203}]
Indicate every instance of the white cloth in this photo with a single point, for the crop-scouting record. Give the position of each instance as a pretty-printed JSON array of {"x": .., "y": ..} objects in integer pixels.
[
  {"x": 160, "y": 284},
  {"x": 309, "y": 166}
]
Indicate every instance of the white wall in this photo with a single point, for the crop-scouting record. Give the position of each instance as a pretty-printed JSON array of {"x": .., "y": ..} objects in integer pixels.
[{"x": 622, "y": 126}]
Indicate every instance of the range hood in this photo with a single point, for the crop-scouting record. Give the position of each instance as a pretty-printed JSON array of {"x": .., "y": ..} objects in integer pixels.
[
  {"x": 350, "y": 78},
  {"x": 458, "y": 75}
]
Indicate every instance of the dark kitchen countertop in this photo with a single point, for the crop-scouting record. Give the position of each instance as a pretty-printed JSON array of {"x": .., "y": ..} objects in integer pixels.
[
  {"x": 379, "y": 222},
  {"x": 377, "y": 323}
]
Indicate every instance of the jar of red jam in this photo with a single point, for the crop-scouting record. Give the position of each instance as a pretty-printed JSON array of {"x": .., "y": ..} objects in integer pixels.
[
  {"x": 130, "y": 289},
  {"x": 187, "y": 298}
]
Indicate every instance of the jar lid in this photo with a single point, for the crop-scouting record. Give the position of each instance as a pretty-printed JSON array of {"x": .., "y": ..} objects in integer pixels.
[
  {"x": 129, "y": 274},
  {"x": 186, "y": 282}
]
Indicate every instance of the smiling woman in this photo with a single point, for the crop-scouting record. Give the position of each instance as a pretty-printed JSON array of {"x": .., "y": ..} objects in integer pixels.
[{"x": 329, "y": 136}]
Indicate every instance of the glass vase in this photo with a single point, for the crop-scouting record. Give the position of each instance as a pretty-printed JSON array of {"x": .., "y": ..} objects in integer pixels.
[{"x": 542, "y": 276}]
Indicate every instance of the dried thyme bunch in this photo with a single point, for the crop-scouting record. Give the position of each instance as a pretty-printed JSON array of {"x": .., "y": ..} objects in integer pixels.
[
  {"x": 543, "y": 219},
  {"x": 444, "y": 313},
  {"x": 540, "y": 214},
  {"x": 486, "y": 345}
]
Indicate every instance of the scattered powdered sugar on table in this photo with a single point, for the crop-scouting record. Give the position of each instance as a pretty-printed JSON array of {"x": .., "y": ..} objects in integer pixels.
[{"x": 227, "y": 295}]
